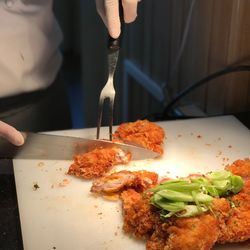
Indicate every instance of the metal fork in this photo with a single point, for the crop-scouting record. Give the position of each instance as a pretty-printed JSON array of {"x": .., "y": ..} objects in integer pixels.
[{"x": 108, "y": 91}]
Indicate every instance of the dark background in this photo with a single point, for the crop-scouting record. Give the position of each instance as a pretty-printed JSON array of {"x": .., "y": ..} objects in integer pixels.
[{"x": 172, "y": 45}]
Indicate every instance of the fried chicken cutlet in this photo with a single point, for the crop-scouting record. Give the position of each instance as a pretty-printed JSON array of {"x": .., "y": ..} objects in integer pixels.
[
  {"x": 142, "y": 132},
  {"x": 235, "y": 226},
  {"x": 142, "y": 221},
  {"x": 228, "y": 222},
  {"x": 97, "y": 162}
]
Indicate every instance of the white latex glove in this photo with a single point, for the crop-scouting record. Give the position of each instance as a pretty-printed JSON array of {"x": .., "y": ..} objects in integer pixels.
[
  {"x": 109, "y": 12},
  {"x": 11, "y": 134}
]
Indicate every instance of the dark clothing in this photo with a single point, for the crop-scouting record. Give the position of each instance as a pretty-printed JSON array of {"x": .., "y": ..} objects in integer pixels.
[{"x": 43, "y": 110}]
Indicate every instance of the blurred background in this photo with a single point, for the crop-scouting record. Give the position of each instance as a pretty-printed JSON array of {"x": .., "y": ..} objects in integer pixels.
[{"x": 168, "y": 60}]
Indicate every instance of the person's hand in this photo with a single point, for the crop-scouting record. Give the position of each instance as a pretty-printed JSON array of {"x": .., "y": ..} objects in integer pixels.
[
  {"x": 109, "y": 12},
  {"x": 11, "y": 134}
]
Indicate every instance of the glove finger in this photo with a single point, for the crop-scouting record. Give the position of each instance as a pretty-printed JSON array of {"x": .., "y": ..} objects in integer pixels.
[
  {"x": 11, "y": 134},
  {"x": 130, "y": 10},
  {"x": 113, "y": 18}
]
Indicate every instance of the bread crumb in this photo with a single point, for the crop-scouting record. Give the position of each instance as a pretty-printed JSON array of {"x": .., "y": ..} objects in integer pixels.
[
  {"x": 64, "y": 183},
  {"x": 40, "y": 164}
]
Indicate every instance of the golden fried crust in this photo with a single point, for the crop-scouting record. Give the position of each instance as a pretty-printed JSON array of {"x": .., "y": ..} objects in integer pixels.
[
  {"x": 142, "y": 132},
  {"x": 139, "y": 220},
  {"x": 157, "y": 240},
  {"x": 236, "y": 227},
  {"x": 97, "y": 162},
  {"x": 195, "y": 233},
  {"x": 240, "y": 167},
  {"x": 234, "y": 215}
]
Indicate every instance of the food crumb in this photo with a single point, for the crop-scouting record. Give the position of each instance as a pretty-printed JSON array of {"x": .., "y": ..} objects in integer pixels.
[
  {"x": 179, "y": 135},
  {"x": 230, "y": 146},
  {"x": 199, "y": 136},
  {"x": 64, "y": 183},
  {"x": 54, "y": 247},
  {"x": 52, "y": 186},
  {"x": 208, "y": 144},
  {"x": 219, "y": 139},
  {"x": 35, "y": 186},
  {"x": 40, "y": 164}
]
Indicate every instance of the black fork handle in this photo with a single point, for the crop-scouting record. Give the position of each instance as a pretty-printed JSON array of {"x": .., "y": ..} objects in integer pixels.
[{"x": 115, "y": 44}]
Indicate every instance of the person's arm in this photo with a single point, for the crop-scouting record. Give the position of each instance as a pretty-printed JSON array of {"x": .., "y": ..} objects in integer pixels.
[
  {"x": 11, "y": 134},
  {"x": 109, "y": 12}
]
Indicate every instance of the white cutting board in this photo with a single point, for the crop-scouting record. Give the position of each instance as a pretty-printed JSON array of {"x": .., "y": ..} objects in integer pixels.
[{"x": 69, "y": 218}]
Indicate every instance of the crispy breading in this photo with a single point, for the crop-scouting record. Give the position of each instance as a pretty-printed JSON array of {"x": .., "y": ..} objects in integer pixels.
[
  {"x": 97, "y": 162},
  {"x": 240, "y": 167},
  {"x": 157, "y": 240},
  {"x": 235, "y": 227},
  {"x": 142, "y": 132},
  {"x": 119, "y": 181},
  {"x": 139, "y": 220},
  {"x": 142, "y": 221},
  {"x": 194, "y": 233},
  {"x": 229, "y": 220}
]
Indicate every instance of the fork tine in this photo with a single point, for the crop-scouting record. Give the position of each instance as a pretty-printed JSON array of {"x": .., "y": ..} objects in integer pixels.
[
  {"x": 99, "y": 117},
  {"x": 111, "y": 110}
]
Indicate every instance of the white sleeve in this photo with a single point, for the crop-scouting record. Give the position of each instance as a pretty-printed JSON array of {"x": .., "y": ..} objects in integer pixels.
[{"x": 29, "y": 46}]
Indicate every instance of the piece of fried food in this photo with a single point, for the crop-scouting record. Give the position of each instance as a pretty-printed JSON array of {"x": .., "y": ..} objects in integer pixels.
[
  {"x": 142, "y": 132},
  {"x": 139, "y": 219},
  {"x": 142, "y": 221},
  {"x": 97, "y": 162},
  {"x": 194, "y": 233},
  {"x": 233, "y": 213},
  {"x": 228, "y": 222},
  {"x": 119, "y": 181},
  {"x": 240, "y": 167},
  {"x": 235, "y": 225}
]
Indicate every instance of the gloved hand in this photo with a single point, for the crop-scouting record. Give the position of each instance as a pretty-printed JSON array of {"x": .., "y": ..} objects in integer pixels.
[
  {"x": 109, "y": 12},
  {"x": 11, "y": 134}
]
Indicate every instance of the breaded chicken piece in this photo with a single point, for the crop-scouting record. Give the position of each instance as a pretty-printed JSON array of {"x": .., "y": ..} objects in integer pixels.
[
  {"x": 139, "y": 219},
  {"x": 229, "y": 220},
  {"x": 233, "y": 213},
  {"x": 142, "y": 132},
  {"x": 142, "y": 221},
  {"x": 157, "y": 240},
  {"x": 235, "y": 227},
  {"x": 119, "y": 181},
  {"x": 240, "y": 167},
  {"x": 194, "y": 233},
  {"x": 97, "y": 162}
]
